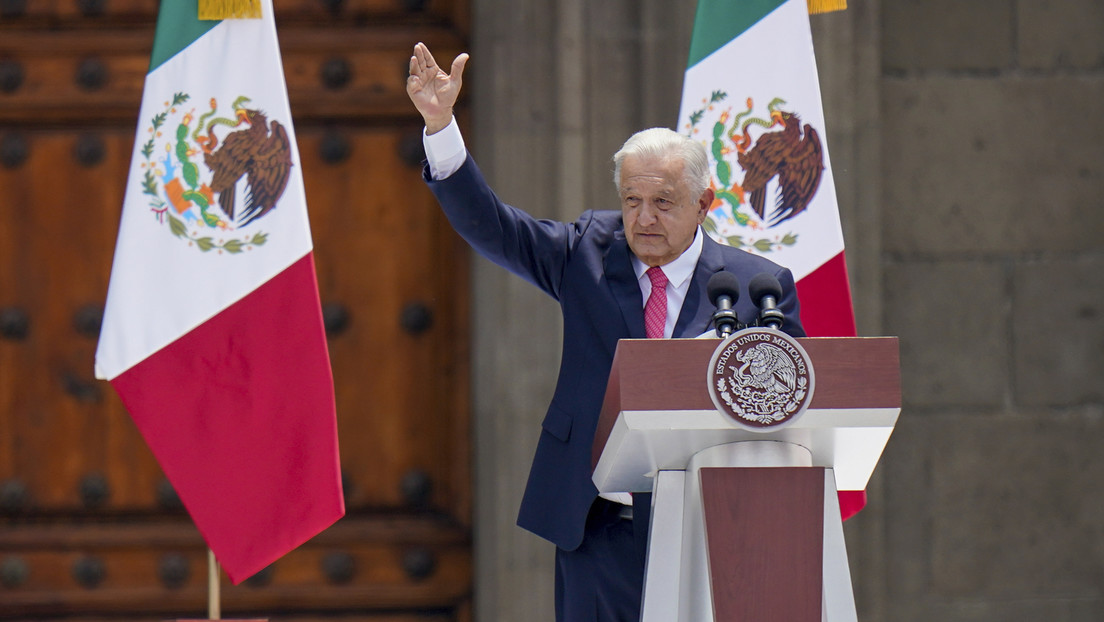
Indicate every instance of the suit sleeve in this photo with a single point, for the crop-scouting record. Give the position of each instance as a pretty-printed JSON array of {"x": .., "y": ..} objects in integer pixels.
[
  {"x": 790, "y": 306},
  {"x": 536, "y": 250}
]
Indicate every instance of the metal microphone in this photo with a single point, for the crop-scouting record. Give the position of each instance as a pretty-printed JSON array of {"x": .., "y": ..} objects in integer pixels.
[
  {"x": 723, "y": 290},
  {"x": 765, "y": 292}
]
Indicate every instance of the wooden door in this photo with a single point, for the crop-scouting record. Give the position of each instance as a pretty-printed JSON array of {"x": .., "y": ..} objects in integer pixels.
[{"x": 89, "y": 527}]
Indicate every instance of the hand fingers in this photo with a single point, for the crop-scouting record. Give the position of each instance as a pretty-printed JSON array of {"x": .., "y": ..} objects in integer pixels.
[
  {"x": 424, "y": 58},
  {"x": 424, "y": 69},
  {"x": 458, "y": 65},
  {"x": 417, "y": 63},
  {"x": 416, "y": 80}
]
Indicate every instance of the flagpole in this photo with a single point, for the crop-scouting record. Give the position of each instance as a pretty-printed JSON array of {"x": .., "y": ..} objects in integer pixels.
[{"x": 213, "y": 609}]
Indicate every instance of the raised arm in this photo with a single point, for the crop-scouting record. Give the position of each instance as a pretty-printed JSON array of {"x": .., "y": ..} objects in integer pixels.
[
  {"x": 536, "y": 250},
  {"x": 433, "y": 91}
]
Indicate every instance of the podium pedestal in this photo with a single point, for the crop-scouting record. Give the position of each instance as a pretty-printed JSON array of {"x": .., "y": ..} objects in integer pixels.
[
  {"x": 745, "y": 525},
  {"x": 757, "y": 529}
]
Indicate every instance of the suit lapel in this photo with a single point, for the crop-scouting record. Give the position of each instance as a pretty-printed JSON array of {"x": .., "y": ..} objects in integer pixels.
[
  {"x": 697, "y": 311},
  {"x": 623, "y": 285}
]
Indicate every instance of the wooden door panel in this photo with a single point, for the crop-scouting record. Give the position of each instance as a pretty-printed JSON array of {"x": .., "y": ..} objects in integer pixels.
[
  {"x": 55, "y": 262},
  {"x": 383, "y": 251},
  {"x": 93, "y": 76},
  {"x": 89, "y": 527},
  {"x": 460, "y": 614},
  {"x": 53, "y": 12},
  {"x": 69, "y": 441},
  {"x": 361, "y": 563},
  {"x": 386, "y": 255}
]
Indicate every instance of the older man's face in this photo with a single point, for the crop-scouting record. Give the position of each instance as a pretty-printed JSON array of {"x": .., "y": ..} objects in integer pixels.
[{"x": 660, "y": 215}]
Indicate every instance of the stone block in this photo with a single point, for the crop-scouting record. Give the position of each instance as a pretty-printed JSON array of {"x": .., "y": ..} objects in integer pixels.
[
  {"x": 1058, "y": 331},
  {"x": 665, "y": 47},
  {"x": 866, "y": 551},
  {"x": 952, "y": 321},
  {"x": 1087, "y": 610},
  {"x": 908, "y": 512},
  {"x": 993, "y": 165},
  {"x": 995, "y": 518},
  {"x": 947, "y": 35},
  {"x": 1060, "y": 34},
  {"x": 1019, "y": 500},
  {"x": 1051, "y": 610}
]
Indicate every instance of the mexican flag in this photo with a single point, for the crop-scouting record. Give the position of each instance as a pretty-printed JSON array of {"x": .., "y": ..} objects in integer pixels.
[
  {"x": 752, "y": 97},
  {"x": 212, "y": 333}
]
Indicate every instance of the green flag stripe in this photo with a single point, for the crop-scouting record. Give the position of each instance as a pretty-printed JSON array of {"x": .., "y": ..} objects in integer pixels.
[
  {"x": 177, "y": 27},
  {"x": 719, "y": 21}
]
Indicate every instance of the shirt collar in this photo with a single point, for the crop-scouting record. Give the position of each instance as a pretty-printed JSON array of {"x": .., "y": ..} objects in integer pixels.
[{"x": 682, "y": 268}]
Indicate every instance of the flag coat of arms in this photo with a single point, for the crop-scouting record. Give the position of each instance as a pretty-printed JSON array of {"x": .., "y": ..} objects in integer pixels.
[
  {"x": 751, "y": 95},
  {"x": 212, "y": 332}
]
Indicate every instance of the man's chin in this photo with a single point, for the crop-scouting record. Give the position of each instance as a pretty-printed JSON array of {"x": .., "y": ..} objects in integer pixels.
[
  {"x": 648, "y": 245},
  {"x": 652, "y": 257}
]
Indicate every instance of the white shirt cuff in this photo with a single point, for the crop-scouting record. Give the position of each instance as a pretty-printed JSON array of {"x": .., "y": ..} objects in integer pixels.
[{"x": 445, "y": 151}]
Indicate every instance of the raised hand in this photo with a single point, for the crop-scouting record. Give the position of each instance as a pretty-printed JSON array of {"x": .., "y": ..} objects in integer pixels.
[{"x": 433, "y": 91}]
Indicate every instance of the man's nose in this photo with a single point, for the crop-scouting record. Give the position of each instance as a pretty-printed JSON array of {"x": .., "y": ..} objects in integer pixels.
[{"x": 648, "y": 214}]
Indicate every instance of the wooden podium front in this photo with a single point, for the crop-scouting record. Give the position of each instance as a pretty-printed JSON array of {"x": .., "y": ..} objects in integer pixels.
[{"x": 745, "y": 524}]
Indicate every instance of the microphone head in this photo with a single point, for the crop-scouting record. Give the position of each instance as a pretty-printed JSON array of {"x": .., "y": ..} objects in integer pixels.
[
  {"x": 723, "y": 284},
  {"x": 763, "y": 285}
]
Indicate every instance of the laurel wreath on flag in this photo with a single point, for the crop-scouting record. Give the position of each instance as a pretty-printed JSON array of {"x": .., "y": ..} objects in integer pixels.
[{"x": 160, "y": 201}]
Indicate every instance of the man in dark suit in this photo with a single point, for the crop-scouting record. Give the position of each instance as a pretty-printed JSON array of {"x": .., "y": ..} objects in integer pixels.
[{"x": 634, "y": 273}]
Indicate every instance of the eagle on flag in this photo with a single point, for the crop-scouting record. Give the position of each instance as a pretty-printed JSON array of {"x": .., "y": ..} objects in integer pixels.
[{"x": 794, "y": 157}]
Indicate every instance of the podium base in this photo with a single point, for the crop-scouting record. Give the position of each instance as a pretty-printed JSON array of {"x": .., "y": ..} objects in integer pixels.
[{"x": 750, "y": 530}]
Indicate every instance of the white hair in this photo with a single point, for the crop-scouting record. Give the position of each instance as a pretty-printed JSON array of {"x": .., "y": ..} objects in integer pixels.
[{"x": 660, "y": 142}]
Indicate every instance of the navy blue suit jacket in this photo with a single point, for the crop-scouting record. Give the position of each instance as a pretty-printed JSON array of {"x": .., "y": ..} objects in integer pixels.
[{"x": 586, "y": 266}]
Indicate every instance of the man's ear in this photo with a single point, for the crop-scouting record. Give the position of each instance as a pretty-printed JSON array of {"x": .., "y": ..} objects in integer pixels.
[{"x": 704, "y": 203}]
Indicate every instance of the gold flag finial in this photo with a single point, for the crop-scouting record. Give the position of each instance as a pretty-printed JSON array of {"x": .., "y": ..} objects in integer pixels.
[
  {"x": 826, "y": 6},
  {"x": 229, "y": 9}
]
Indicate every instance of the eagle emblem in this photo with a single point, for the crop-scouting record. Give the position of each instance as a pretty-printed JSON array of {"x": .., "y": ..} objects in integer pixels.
[
  {"x": 765, "y": 367},
  {"x": 760, "y": 378},
  {"x": 782, "y": 161},
  {"x": 213, "y": 175}
]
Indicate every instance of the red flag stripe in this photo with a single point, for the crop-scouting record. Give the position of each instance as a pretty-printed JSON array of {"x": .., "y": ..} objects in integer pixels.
[
  {"x": 851, "y": 501},
  {"x": 826, "y": 311},
  {"x": 240, "y": 414},
  {"x": 825, "y": 295}
]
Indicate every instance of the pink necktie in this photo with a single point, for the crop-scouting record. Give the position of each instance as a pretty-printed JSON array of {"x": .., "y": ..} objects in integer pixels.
[{"x": 655, "y": 310}]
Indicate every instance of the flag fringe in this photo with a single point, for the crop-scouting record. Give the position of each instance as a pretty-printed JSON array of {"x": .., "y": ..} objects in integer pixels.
[
  {"x": 826, "y": 6},
  {"x": 229, "y": 9}
]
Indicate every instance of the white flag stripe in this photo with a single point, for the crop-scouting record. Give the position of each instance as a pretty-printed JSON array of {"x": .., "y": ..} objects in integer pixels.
[
  {"x": 162, "y": 288},
  {"x": 774, "y": 58}
]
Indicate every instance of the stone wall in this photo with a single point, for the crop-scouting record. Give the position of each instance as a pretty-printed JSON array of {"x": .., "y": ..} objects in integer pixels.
[
  {"x": 967, "y": 140},
  {"x": 993, "y": 149}
]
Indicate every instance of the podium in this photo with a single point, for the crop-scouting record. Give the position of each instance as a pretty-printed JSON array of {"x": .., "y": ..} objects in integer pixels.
[{"x": 745, "y": 523}]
